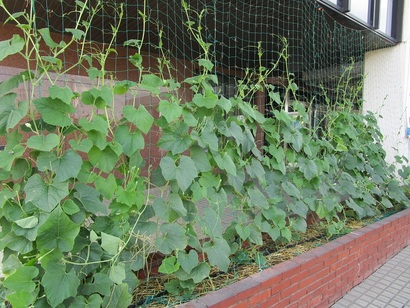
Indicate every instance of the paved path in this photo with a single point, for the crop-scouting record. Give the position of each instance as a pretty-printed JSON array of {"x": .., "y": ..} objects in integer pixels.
[{"x": 389, "y": 286}]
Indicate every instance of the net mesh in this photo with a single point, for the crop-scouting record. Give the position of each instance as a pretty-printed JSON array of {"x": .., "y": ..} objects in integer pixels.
[
  {"x": 318, "y": 46},
  {"x": 240, "y": 35}
]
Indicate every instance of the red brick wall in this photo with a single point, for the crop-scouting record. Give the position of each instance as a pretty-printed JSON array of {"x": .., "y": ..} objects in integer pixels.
[{"x": 321, "y": 276}]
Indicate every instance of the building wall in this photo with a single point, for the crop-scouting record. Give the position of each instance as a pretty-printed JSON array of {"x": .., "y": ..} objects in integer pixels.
[{"x": 387, "y": 91}]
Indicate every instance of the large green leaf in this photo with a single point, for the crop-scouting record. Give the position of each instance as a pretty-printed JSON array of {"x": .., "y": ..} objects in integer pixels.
[
  {"x": 119, "y": 297},
  {"x": 218, "y": 252},
  {"x": 22, "y": 279},
  {"x": 13, "y": 82},
  {"x": 169, "y": 265},
  {"x": 171, "y": 111},
  {"x": 139, "y": 117},
  {"x": 11, "y": 46},
  {"x": 257, "y": 198},
  {"x": 59, "y": 284},
  {"x": 200, "y": 159},
  {"x": 225, "y": 162},
  {"x": 9, "y": 154},
  {"x": 184, "y": 173},
  {"x": 57, "y": 232},
  {"x": 94, "y": 301},
  {"x": 308, "y": 167},
  {"x": 7, "y": 107},
  {"x": 188, "y": 261},
  {"x": 98, "y": 124},
  {"x": 68, "y": 166},
  {"x": 45, "y": 196},
  {"x": 110, "y": 243},
  {"x": 54, "y": 111},
  {"x": 90, "y": 199},
  {"x": 105, "y": 159},
  {"x": 21, "y": 299},
  {"x": 176, "y": 141},
  {"x": 106, "y": 186},
  {"x": 173, "y": 238},
  {"x": 207, "y": 136},
  {"x": 43, "y": 143},
  {"x": 130, "y": 141},
  {"x": 152, "y": 83},
  {"x": 65, "y": 94},
  {"x": 208, "y": 101},
  {"x": 100, "y": 283}
]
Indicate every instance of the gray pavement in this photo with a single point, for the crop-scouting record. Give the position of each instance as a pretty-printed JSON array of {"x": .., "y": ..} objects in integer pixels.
[{"x": 389, "y": 286}]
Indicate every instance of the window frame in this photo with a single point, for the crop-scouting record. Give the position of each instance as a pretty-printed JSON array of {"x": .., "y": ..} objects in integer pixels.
[{"x": 394, "y": 22}]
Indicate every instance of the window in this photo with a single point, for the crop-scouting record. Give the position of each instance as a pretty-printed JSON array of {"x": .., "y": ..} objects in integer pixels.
[{"x": 383, "y": 16}]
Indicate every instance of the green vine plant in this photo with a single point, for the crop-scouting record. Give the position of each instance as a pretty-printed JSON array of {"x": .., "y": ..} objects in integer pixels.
[{"x": 78, "y": 216}]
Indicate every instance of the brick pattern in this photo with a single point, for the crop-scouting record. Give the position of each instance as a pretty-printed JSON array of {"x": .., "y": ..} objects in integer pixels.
[{"x": 320, "y": 277}]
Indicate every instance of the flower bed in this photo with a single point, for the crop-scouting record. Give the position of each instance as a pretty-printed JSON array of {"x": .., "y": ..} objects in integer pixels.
[{"x": 321, "y": 276}]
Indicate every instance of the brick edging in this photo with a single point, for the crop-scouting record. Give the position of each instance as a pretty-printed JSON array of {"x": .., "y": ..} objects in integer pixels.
[{"x": 320, "y": 276}]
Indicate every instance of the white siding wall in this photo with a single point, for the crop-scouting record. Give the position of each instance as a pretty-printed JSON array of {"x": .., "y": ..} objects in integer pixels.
[{"x": 387, "y": 91}]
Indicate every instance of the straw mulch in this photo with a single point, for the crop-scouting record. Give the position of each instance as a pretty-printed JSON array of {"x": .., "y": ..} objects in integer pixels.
[{"x": 151, "y": 291}]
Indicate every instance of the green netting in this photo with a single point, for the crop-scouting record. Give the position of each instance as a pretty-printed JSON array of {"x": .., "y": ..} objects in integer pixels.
[{"x": 319, "y": 48}]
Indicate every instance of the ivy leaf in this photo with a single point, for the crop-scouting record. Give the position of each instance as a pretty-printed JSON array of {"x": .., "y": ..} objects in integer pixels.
[
  {"x": 58, "y": 231},
  {"x": 90, "y": 199},
  {"x": 169, "y": 265},
  {"x": 58, "y": 284},
  {"x": 184, "y": 174},
  {"x": 43, "y": 143},
  {"x": 177, "y": 205},
  {"x": 188, "y": 261},
  {"x": 21, "y": 168},
  {"x": 119, "y": 297},
  {"x": 13, "y": 82},
  {"x": 173, "y": 238},
  {"x": 218, "y": 252},
  {"x": 139, "y": 117},
  {"x": 45, "y": 196},
  {"x": 65, "y": 94},
  {"x": 130, "y": 141},
  {"x": 105, "y": 159},
  {"x": 54, "y": 111},
  {"x": 22, "y": 279},
  {"x": 171, "y": 111},
  {"x": 11, "y": 46}
]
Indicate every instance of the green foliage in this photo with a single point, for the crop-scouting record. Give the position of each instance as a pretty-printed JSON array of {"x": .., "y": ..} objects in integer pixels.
[{"x": 77, "y": 212}]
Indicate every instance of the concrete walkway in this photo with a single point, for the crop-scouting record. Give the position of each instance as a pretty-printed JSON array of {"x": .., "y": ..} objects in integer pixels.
[{"x": 389, "y": 286}]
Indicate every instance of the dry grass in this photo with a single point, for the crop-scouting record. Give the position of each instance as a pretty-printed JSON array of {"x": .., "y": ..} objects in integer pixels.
[{"x": 152, "y": 293}]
